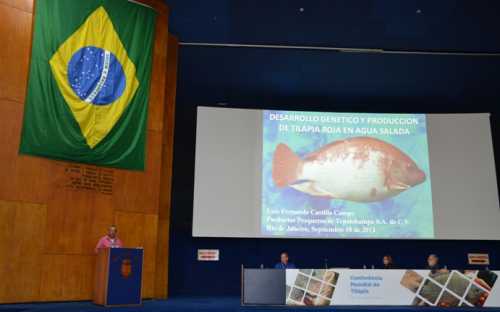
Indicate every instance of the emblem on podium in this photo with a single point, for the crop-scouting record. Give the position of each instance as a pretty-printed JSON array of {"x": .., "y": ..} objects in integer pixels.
[{"x": 126, "y": 268}]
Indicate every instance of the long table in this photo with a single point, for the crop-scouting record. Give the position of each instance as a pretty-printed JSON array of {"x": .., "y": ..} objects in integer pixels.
[{"x": 320, "y": 287}]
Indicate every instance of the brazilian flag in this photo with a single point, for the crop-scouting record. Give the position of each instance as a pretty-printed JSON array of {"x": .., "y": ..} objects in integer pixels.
[{"x": 89, "y": 82}]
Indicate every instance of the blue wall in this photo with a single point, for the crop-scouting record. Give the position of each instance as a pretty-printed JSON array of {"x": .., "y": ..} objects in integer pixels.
[{"x": 316, "y": 80}]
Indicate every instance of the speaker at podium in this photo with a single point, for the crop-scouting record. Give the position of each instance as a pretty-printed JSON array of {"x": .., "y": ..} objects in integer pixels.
[{"x": 118, "y": 277}]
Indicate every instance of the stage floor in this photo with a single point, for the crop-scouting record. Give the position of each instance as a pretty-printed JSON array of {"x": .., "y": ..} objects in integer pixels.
[{"x": 212, "y": 304}]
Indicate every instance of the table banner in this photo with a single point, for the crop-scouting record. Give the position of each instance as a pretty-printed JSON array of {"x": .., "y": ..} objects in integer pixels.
[{"x": 466, "y": 288}]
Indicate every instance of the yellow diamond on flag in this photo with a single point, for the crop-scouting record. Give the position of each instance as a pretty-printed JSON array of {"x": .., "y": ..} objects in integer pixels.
[{"x": 95, "y": 76}]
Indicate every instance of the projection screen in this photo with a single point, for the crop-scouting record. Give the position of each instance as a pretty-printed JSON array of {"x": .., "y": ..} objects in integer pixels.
[{"x": 294, "y": 174}]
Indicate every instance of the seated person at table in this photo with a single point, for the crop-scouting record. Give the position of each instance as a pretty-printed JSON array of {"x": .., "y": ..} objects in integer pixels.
[
  {"x": 284, "y": 264},
  {"x": 110, "y": 240},
  {"x": 387, "y": 262},
  {"x": 433, "y": 264}
]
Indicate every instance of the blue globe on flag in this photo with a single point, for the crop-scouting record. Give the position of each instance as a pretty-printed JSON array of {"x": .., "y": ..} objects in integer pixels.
[{"x": 96, "y": 75}]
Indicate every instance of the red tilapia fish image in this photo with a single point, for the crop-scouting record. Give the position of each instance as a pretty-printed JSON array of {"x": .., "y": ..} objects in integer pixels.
[{"x": 359, "y": 169}]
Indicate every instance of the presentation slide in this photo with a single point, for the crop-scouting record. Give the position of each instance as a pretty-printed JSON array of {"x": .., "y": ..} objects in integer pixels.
[
  {"x": 297, "y": 174},
  {"x": 346, "y": 175}
]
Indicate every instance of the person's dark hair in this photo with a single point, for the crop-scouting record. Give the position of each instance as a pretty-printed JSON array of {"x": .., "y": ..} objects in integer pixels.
[{"x": 284, "y": 252}]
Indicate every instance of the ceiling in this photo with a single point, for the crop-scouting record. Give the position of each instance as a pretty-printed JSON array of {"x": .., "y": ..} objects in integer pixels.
[{"x": 443, "y": 25}]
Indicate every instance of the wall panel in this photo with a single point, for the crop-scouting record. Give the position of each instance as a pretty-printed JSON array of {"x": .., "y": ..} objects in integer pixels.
[
  {"x": 23, "y": 5},
  {"x": 162, "y": 252},
  {"x": 22, "y": 238},
  {"x": 102, "y": 217},
  {"x": 69, "y": 216},
  {"x": 137, "y": 191},
  {"x": 15, "y": 32},
  {"x": 23, "y": 178},
  {"x": 67, "y": 276},
  {"x": 76, "y": 220},
  {"x": 52, "y": 277},
  {"x": 158, "y": 81}
]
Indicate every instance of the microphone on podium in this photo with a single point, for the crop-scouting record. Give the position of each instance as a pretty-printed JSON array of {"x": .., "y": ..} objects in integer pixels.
[{"x": 326, "y": 263}]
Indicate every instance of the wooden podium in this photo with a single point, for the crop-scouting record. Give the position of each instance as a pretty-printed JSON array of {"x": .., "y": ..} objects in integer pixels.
[{"x": 118, "y": 277}]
